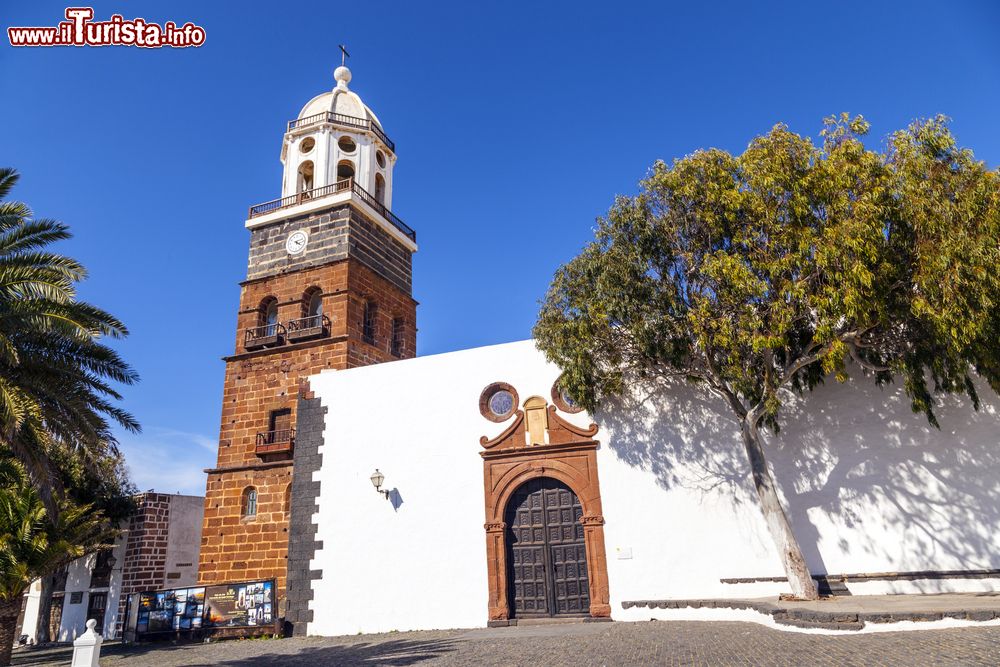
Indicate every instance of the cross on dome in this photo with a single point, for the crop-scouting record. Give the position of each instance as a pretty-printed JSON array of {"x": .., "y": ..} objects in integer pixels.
[{"x": 342, "y": 74}]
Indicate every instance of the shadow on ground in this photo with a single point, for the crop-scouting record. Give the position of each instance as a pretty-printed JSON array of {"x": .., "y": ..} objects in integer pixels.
[{"x": 250, "y": 653}]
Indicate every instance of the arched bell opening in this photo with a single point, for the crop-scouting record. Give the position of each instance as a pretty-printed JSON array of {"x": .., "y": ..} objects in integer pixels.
[{"x": 304, "y": 182}]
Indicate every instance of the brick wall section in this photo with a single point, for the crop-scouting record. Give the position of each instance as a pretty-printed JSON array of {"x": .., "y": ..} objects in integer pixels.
[
  {"x": 234, "y": 548},
  {"x": 345, "y": 285},
  {"x": 305, "y": 493},
  {"x": 350, "y": 260},
  {"x": 144, "y": 563},
  {"x": 333, "y": 235}
]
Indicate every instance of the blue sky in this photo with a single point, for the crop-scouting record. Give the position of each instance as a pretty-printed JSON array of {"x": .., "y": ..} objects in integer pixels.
[{"x": 516, "y": 125}]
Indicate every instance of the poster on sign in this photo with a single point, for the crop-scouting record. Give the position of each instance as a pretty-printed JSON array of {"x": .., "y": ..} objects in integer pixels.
[
  {"x": 167, "y": 611},
  {"x": 239, "y": 605}
]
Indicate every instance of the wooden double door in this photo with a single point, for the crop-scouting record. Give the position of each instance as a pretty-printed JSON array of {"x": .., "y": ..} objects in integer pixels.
[{"x": 546, "y": 552}]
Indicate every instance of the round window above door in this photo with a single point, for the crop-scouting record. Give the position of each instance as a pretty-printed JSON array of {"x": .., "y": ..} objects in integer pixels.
[{"x": 498, "y": 402}]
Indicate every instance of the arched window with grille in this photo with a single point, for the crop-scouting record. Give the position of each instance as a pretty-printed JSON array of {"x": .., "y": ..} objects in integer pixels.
[
  {"x": 269, "y": 316},
  {"x": 312, "y": 302},
  {"x": 311, "y": 323},
  {"x": 249, "y": 508}
]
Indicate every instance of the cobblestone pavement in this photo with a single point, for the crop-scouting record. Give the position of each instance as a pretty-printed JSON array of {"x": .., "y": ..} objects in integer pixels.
[{"x": 649, "y": 643}]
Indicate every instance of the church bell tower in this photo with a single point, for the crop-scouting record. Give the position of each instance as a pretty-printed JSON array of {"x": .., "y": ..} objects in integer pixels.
[{"x": 328, "y": 287}]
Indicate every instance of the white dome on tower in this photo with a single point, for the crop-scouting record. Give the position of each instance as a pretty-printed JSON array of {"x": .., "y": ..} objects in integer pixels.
[
  {"x": 340, "y": 100},
  {"x": 335, "y": 144},
  {"x": 335, "y": 152}
]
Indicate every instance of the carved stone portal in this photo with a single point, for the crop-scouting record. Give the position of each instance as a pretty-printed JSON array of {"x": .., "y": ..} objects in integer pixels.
[{"x": 522, "y": 452}]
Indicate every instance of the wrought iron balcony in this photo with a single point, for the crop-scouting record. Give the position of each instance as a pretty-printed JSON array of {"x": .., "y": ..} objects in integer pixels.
[
  {"x": 275, "y": 442},
  {"x": 344, "y": 185},
  {"x": 306, "y": 328},
  {"x": 100, "y": 578},
  {"x": 344, "y": 121},
  {"x": 264, "y": 336}
]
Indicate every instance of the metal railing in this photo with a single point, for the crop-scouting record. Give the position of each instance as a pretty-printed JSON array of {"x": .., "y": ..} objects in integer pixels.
[
  {"x": 307, "y": 323},
  {"x": 342, "y": 185},
  {"x": 279, "y": 437},
  {"x": 342, "y": 119},
  {"x": 267, "y": 334},
  {"x": 300, "y": 198}
]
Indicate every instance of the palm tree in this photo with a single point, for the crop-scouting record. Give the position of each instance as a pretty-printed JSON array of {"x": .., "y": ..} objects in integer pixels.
[
  {"x": 55, "y": 374},
  {"x": 32, "y": 546}
]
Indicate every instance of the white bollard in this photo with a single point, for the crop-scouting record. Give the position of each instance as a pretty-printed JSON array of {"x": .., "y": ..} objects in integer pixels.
[{"x": 87, "y": 647}]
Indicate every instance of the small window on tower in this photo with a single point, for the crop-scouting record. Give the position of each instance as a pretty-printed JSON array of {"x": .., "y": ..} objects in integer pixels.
[
  {"x": 345, "y": 170},
  {"x": 397, "y": 337},
  {"x": 368, "y": 324},
  {"x": 249, "y": 508},
  {"x": 380, "y": 189},
  {"x": 380, "y": 159},
  {"x": 307, "y": 144}
]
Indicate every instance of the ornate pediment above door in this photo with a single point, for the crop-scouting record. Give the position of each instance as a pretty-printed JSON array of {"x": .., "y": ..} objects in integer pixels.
[{"x": 538, "y": 424}]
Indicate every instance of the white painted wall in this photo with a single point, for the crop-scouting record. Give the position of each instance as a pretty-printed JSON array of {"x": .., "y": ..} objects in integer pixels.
[
  {"x": 870, "y": 487},
  {"x": 74, "y": 616},
  {"x": 422, "y": 564}
]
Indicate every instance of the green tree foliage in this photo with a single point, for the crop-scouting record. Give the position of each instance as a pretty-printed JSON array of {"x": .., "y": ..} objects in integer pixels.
[
  {"x": 57, "y": 399},
  {"x": 32, "y": 545},
  {"x": 767, "y": 271}
]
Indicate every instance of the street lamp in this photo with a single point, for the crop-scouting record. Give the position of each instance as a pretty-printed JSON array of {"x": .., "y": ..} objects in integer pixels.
[{"x": 377, "y": 478}]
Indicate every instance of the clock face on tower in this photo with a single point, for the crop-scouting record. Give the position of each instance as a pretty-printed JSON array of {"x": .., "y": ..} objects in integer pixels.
[{"x": 296, "y": 242}]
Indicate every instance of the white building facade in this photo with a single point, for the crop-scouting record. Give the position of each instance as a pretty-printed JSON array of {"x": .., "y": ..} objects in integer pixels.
[
  {"x": 157, "y": 548},
  {"x": 500, "y": 500}
]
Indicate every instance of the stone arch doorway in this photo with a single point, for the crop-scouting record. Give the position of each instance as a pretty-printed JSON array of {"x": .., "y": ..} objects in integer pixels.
[
  {"x": 543, "y": 446},
  {"x": 546, "y": 551}
]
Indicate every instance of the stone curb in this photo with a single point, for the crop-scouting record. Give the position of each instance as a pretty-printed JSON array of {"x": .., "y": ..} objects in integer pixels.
[{"x": 812, "y": 618}]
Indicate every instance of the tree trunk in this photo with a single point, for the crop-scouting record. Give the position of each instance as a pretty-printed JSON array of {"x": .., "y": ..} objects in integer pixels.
[
  {"x": 44, "y": 611},
  {"x": 9, "y": 612},
  {"x": 794, "y": 563}
]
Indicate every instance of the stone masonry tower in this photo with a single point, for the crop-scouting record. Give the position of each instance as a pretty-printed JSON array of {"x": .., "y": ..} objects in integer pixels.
[{"x": 328, "y": 287}]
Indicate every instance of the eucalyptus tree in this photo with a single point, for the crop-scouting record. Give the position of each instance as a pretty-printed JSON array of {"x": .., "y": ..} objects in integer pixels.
[
  {"x": 57, "y": 377},
  {"x": 760, "y": 274}
]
